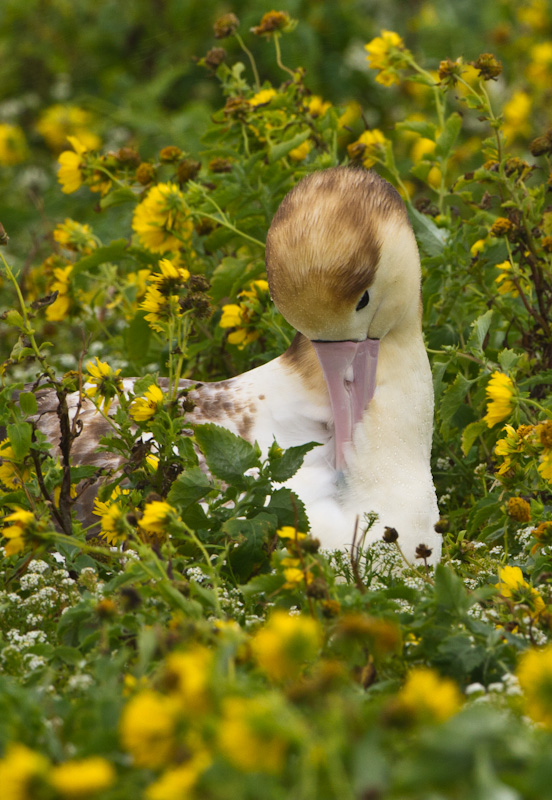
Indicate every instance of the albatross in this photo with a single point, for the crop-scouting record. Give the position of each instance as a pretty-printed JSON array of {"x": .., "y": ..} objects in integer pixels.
[{"x": 344, "y": 270}]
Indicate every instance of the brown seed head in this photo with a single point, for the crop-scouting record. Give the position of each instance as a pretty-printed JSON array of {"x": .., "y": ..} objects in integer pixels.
[
  {"x": 188, "y": 169},
  {"x": 545, "y": 433},
  {"x": 226, "y": 26},
  {"x": 489, "y": 67},
  {"x": 391, "y": 535},
  {"x": 271, "y": 22},
  {"x": 145, "y": 173},
  {"x": 423, "y": 551},
  {"x": 220, "y": 165},
  {"x": 215, "y": 57},
  {"x": 170, "y": 154},
  {"x": 450, "y": 71},
  {"x": 501, "y": 227}
]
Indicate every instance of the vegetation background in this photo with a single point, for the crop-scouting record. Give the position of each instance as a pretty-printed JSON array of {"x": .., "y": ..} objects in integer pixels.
[{"x": 196, "y": 642}]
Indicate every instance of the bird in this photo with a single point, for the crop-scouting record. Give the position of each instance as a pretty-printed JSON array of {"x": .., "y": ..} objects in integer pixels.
[{"x": 343, "y": 268}]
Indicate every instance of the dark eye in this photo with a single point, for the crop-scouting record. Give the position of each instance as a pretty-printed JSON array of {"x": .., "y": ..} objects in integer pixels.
[{"x": 363, "y": 302}]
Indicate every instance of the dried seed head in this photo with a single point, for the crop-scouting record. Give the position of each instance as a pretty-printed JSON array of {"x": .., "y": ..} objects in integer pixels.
[
  {"x": 450, "y": 71},
  {"x": 423, "y": 551},
  {"x": 145, "y": 173},
  {"x": 226, "y": 26},
  {"x": 391, "y": 535},
  {"x": 271, "y": 22},
  {"x": 215, "y": 57},
  {"x": 519, "y": 509},
  {"x": 188, "y": 169},
  {"x": 170, "y": 154},
  {"x": 489, "y": 67}
]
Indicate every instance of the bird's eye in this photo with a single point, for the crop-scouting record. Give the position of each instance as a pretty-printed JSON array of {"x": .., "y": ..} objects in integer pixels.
[{"x": 363, "y": 302}]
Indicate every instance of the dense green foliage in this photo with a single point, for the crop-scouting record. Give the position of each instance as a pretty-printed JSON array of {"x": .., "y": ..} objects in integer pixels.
[{"x": 200, "y": 644}]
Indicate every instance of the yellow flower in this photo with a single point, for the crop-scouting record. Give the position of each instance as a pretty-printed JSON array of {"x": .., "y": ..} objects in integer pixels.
[
  {"x": 178, "y": 782},
  {"x": 478, "y": 247},
  {"x": 162, "y": 220},
  {"x": 512, "y": 444},
  {"x": 171, "y": 277},
  {"x": 158, "y": 307},
  {"x": 386, "y": 53},
  {"x": 232, "y": 316},
  {"x": 510, "y": 581},
  {"x": 60, "y": 122},
  {"x": 535, "y": 677},
  {"x": 285, "y": 644},
  {"x": 500, "y": 393},
  {"x": 75, "y": 236},
  {"x": 12, "y": 473},
  {"x": 156, "y": 516},
  {"x": 248, "y": 735},
  {"x": 82, "y": 777},
  {"x": 256, "y": 289},
  {"x": 112, "y": 513},
  {"x": 516, "y": 115},
  {"x": 301, "y": 152},
  {"x": 147, "y": 728},
  {"x": 534, "y": 14},
  {"x": 349, "y": 114},
  {"x": 143, "y": 408},
  {"x": 428, "y": 696},
  {"x": 18, "y": 533},
  {"x": 19, "y": 770},
  {"x": 57, "y": 311},
  {"x": 289, "y": 532},
  {"x": 317, "y": 107},
  {"x": 187, "y": 674},
  {"x": 538, "y": 70},
  {"x": 262, "y": 98},
  {"x": 104, "y": 382},
  {"x": 422, "y": 147},
  {"x": 511, "y": 584},
  {"x": 152, "y": 461},
  {"x": 367, "y": 147},
  {"x": 13, "y": 145},
  {"x": 545, "y": 466}
]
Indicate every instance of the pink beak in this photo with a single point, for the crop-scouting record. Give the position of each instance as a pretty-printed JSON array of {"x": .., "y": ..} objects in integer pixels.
[{"x": 350, "y": 372}]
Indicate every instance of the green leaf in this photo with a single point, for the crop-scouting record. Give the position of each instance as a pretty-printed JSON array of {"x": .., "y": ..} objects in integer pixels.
[
  {"x": 251, "y": 556},
  {"x": 453, "y": 399},
  {"x": 232, "y": 274},
  {"x": 138, "y": 336},
  {"x": 111, "y": 252},
  {"x": 188, "y": 488},
  {"x": 118, "y": 197},
  {"x": 430, "y": 238},
  {"x": 425, "y": 129},
  {"x": 449, "y": 590},
  {"x": 480, "y": 328},
  {"x": 285, "y": 467},
  {"x": 448, "y": 137},
  {"x": 508, "y": 359},
  {"x": 277, "y": 151},
  {"x": 15, "y": 319},
  {"x": 289, "y": 509},
  {"x": 228, "y": 456},
  {"x": 28, "y": 404},
  {"x": 19, "y": 434},
  {"x": 470, "y": 434}
]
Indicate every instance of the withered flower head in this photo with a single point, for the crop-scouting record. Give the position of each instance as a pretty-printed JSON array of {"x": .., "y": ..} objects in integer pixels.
[
  {"x": 450, "y": 71},
  {"x": 441, "y": 526},
  {"x": 145, "y": 173},
  {"x": 545, "y": 433},
  {"x": 542, "y": 144},
  {"x": 188, "y": 170},
  {"x": 519, "y": 509},
  {"x": 423, "y": 551},
  {"x": 489, "y": 67},
  {"x": 226, "y": 26},
  {"x": 170, "y": 154},
  {"x": 271, "y": 22},
  {"x": 220, "y": 165},
  {"x": 501, "y": 227},
  {"x": 391, "y": 535},
  {"x": 214, "y": 57},
  {"x": 128, "y": 156}
]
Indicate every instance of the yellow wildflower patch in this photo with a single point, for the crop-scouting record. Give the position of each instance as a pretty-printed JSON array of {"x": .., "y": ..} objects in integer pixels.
[
  {"x": 285, "y": 644},
  {"x": 82, "y": 777},
  {"x": 162, "y": 220},
  {"x": 147, "y": 728},
  {"x": 535, "y": 677},
  {"x": 500, "y": 393},
  {"x": 13, "y": 145},
  {"x": 428, "y": 697}
]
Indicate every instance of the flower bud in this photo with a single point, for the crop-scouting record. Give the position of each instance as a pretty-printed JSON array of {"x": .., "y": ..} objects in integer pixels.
[
  {"x": 519, "y": 509},
  {"x": 391, "y": 535},
  {"x": 271, "y": 22},
  {"x": 145, "y": 173},
  {"x": 170, "y": 154},
  {"x": 214, "y": 57}
]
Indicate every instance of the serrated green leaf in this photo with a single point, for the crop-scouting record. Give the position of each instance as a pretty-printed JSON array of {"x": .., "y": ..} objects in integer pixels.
[
  {"x": 19, "y": 434},
  {"x": 285, "y": 467},
  {"x": 448, "y": 137},
  {"x": 289, "y": 509},
  {"x": 188, "y": 488},
  {"x": 14, "y": 318},
  {"x": 27, "y": 403},
  {"x": 281, "y": 149},
  {"x": 480, "y": 328},
  {"x": 508, "y": 359},
  {"x": 228, "y": 456}
]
